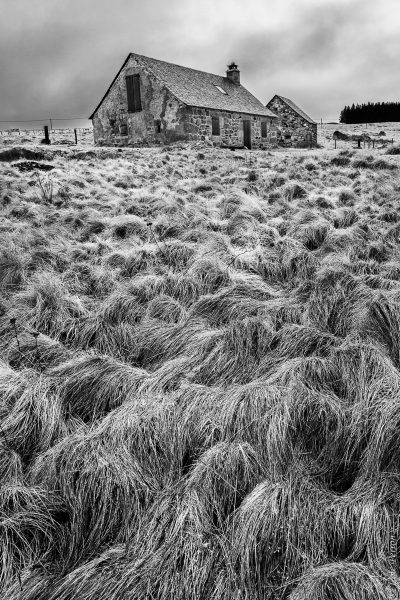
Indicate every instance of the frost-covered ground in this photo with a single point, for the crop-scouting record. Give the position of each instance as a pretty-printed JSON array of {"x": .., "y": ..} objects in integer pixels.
[
  {"x": 382, "y": 133},
  {"x": 199, "y": 385}
]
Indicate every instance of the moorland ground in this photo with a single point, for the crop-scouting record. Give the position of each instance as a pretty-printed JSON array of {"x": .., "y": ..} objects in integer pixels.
[
  {"x": 199, "y": 386},
  {"x": 382, "y": 133}
]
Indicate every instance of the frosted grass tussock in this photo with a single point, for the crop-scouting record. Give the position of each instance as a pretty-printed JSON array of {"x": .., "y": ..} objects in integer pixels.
[
  {"x": 90, "y": 385},
  {"x": 199, "y": 377},
  {"x": 350, "y": 581}
]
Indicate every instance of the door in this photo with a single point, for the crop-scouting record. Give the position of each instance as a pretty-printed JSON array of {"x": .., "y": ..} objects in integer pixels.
[{"x": 247, "y": 133}]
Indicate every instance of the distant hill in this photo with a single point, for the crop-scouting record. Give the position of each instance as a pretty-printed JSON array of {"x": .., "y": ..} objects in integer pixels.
[{"x": 373, "y": 112}]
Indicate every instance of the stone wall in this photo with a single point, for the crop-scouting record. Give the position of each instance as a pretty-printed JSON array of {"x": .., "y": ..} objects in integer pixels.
[
  {"x": 114, "y": 125},
  {"x": 293, "y": 129},
  {"x": 199, "y": 128}
]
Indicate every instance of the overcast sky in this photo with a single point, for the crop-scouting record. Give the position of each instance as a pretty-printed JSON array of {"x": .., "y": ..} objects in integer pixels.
[{"x": 57, "y": 57}]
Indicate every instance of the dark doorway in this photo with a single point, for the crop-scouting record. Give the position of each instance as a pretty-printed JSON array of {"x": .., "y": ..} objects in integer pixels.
[{"x": 247, "y": 133}]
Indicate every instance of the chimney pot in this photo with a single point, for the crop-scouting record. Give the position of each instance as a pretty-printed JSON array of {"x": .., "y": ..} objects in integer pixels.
[{"x": 233, "y": 73}]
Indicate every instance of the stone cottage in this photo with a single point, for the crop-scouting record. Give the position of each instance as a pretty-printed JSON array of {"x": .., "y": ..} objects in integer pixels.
[
  {"x": 295, "y": 127},
  {"x": 151, "y": 101}
]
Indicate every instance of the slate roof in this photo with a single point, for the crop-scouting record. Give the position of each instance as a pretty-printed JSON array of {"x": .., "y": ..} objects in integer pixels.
[
  {"x": 294, "y": 107},
  {"x": 198, "y": 88}
]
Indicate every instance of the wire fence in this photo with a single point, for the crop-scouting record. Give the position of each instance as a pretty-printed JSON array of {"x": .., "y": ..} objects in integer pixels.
[
  {"x": 54, "y": 131},
  {"x": 55, "y": 125},
  {"x": 47, "y": 120},
  {"x": 67, "y": 132}
]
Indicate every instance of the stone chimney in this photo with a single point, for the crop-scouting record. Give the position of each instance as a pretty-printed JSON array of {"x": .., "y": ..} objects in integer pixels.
[{"x": 233, "y": 73}]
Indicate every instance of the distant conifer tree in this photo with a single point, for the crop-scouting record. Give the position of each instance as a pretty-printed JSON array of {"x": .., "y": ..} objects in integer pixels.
[{"x": 372, "y": 112}]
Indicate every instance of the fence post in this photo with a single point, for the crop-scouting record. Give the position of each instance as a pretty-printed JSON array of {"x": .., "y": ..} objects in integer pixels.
[
  {"x": 335, "y": 144},
  {"x": 46, "y": 135},
  {"x": 76, "y": 135},
  {"x": 373, "y": 143}
]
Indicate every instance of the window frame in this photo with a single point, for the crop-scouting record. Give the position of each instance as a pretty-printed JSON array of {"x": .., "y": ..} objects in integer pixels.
[
  {"x": 215, "y": 125},
  {"x": 221, "y": 90},
  {"x": 133, "y": 93},
  {"x": 264, "y": 129}
]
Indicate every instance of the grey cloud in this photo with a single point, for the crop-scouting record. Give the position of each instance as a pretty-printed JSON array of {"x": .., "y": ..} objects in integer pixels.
[{"x": 59, "y": 57}]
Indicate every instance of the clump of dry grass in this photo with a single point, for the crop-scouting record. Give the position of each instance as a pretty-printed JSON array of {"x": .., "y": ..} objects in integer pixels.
[
  {"x": 12, "y": 270},
  {"x": 29, "y": 533},
  {"x": 97, "y": 334},
  {"x": 36, "y": 352},
  {"x": 35, "y": 422},
  {"x": 11, "y": 469},
  {"x": 46, "y": 306},
  {"x": 165, "y": 308},
  {"x": 103, "y": 493},
  {"x": 231, "y": 304},
  {"x": 246, "y": 412},
  {"x": 90, "y": 386},
  {"x": 274, "y": 521},
  {"x": 222, "y": 476},
  {"x": 394, "y": 150},
  {"x": 346, "y": 197},
  {"x": 148, "y": 429},
  {"x": 294, "y": 191},
  {"x": 336, "y": 302},
  {"x": 230, "y": 355},
  {"x": 383, "y": 324},
  {"x": 348, "y": 581}
]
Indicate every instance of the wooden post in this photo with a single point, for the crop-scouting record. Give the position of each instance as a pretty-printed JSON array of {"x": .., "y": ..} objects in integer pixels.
[
  {"x": 335, "y": 144},
  {"x": 358, "y": 143},
  {"x": 76, "y": 135},
  {"x": 373, "y": 143},
  {"x": 51, "y": 125},
  {"x": 46, "y": 135}
]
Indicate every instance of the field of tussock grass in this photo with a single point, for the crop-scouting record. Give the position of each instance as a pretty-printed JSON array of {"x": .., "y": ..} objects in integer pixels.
[{"x": 199, "y": 375}]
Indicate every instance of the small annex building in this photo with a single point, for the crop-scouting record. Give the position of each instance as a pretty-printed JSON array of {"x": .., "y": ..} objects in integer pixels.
[
  {"x": 153, "y": 102},
  {"x": 295, "y": 127}
]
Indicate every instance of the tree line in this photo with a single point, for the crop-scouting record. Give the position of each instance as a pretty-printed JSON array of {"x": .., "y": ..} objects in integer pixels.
[{"x": 372, "y": 112}]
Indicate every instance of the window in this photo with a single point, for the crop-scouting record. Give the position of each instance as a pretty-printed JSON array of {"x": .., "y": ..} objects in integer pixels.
[
  {"x": 133, "y": 93},
  {"x": 215, "y": 126},
  {"x": 264, "y": 133},
  {"x": 221, "y": 90}
]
